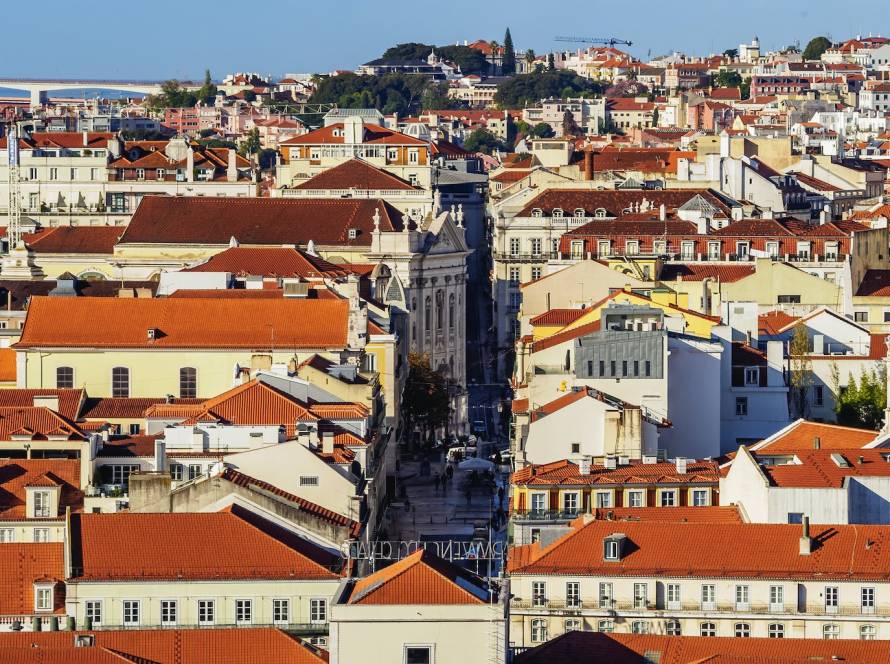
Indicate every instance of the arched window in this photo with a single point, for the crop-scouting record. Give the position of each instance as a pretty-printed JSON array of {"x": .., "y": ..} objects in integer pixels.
[
  {"x": 64, "y": 377},
  {"x": 427, "y": 313},
  {"x": 188, "y": 383},
  {"x": 557, "y": 213},
  {"x": 440, "y": 297},
  {"x": 120, "y": 382},
  {"x": 451, "y": 311}
]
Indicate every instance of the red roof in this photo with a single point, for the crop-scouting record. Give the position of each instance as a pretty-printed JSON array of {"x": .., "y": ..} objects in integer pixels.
[
  {"x": 875, "y": 283},
  {"x": 372, "y": 134},
  {"x": 800, "y": 436},
  {"x": 616, "y": 201},
  {"x": 270, "y": 261},
  {"x": 709, "y": 514},
  {"x": 557, "y": 317},
  {"x": 184, "y": 323},
  {"x": 827, "y": 468},
  {"x": 233, "y": 544},
  {"x": 619, "y": 648},
  {"x": 258, "y": 221},
  {"x": 23, "y": 564},
  {"x": 567, "y": 335},
  {"x": 725, "y": 550},
  {"x": 74, "y": 239},
  {"x": 565, "y": 472},
  {"x": 773, "y": 323},
  {"x": 36, "y": 423},
  {"x": 356, "y": 174},
  {"x": 702, "y": 271},
  {"x": 70, "y": 400},
  {"x": 62, "y": 139},
  {"x": 161, "y": 646},
  {"x": 421, "y": 578},
  {"x": 17, "y": 474}
]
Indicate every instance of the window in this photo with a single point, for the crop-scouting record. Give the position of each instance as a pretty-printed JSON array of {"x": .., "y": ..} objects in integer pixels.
[
  {"x": 41, "y": 534},
  {"x": 668, "y": 498},
  {"x": 538, "y": 502},
  {"x": 418, "y": 655},
  {"x": 673, "y": 596},
  {"x": 742, "y": 630},
  {"x": 605, "y": 626},
  {"x": 741, "y": 406},
  {"x": 860, "y": 316},
  {"x": 535, "y": 244},
  {"x": 392, "y": 154},
  {"x": 700, "y": 497},
  {"x": 539, "y": 630},
  {"x": 672, "y": 627},
  {"x": 176, "y": 472},
  {"x": 280, "y": 610},
  {"x": 514, "y": 274},
  {"x": 831, "y": 593},
  {"x": 639, "y": 627},
  {"x": 772, "y": 248},
  {"x": 641, "y": 591},
  {"x": 573, "y": 594},
  {"x": 131, "y": 612},
  {"x": 831, "y": 631},
  {"x": 577, "y": 248},
  {"x": 120, "y": 382},
  {"x": 536, "y": 272},
  {"x": 41, "y": 504},
  {"x": 140, "y": 173},
  {"x": 610, "y": 549},
  {"x": 605, "y": 595},
  {"x": 632, "y": 247},
  {"x": 867, "y": 600},
  {"x": 188, "y": 383},
  {"x": 708, "y": 594},
  {"x": 570, "y": 503},
  {"x": 868, "y": 633},
  {"x": 451, "y": 308},
  {"x": 708, "y": 629},
  {"x": 120, "y": 474},
  {"x": 539, "y": 593},
  {"x": 788, "y": 299},
  {"x": 64, "y": 378},
  {"x": 604, "y": 247},
  {"x": 243, "y": 611},
  {"x": 413, "y": 156},
  {"x": 624, "y": 367},
  {"x": 43, "y": 599},
  {"x": 93, "y": 612},
  {"x": 308, "y": 480},
  {"x": 205, "y": 611},
  {"x": 54, "y": 174},
  {"x": 168, "y": 611},
  {"x": 818, "y": 395},
  {"x": 7, "y": 535},
  {"x": 752, "y": 375},
  {"x": 604, "y": 499},
  {"x": 741, "y": 598},
  {"x": 514, "y": 246},
  {"x": 573, "y": 625},
  {"x": 713, "y": 251},
  {"x": 635, "y": 498},
  {"x": 648, "y": 368},
  {"x": 776, "y": 598}
]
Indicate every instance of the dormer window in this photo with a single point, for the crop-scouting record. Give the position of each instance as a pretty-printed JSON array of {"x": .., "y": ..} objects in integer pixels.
[
  {"x": 41, "y": 504},
  {"x": 536, "y": 212},
  {"x": 600, "y": 213},
  {"x": 557, "y": 213},
  {"x": 579, "y": 212},
  {"x": 612, "y": 546},
  {"x": 43, "y": 597}
]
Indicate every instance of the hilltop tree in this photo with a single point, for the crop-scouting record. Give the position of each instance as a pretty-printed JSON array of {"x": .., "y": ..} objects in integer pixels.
[
  {"x": 731, "y": 53},
  {"x": 526, "y": 89},
  {"x": 727, "y": 79},
  {"x": 207, "y": 92},
  {"x": 508, "y": 64},
  {"x": 551, "y": 62},
  {"x": 172, "y": 95},
  {"x": 391, "y": 93},
  {"x": 816, "y": 47},
  {"x": 251, "y": 144},
  {"x": 468, "y": 59},
  {"x": 745, "y": 88}
]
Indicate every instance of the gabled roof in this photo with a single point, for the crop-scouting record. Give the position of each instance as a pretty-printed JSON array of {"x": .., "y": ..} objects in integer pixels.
[
  {"x": 826, "y": 468},
  {"x": 372, "y": 134},
  {"x": 724, "y": 550},
  {"x": 270, "y": 261},
  {"x": 702, "y": 271},
  {"x": 258, "y": 221},
  {"x": 62, "y": 139},
  {"x": 234, "y": 545},
  {"x": 70, "y": 400},
  {"x": 615, "y": 201},
  {"x": 557, "y": 317},
  {"x": 567, "y": 335},
  {"x": 18, "y": 474},
  {"x": 356, "y": 174},
  {"x": 74, "y": 239},
  {"x": 801, "y": 434},
  {"x": 36, "y": 423},
  {"x": 103, "y": 322},
  {"x": 875, "y": 283},
  {"x": 566, "y": 472},
  {"x": 421, "y": 578}
]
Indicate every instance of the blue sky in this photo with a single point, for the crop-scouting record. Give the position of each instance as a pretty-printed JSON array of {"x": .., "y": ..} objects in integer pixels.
[{"x": 178, "y": 39}]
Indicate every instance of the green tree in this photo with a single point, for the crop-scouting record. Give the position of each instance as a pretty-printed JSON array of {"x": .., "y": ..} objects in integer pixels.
[
  {"x": 435, "y": 97},
  {"x": 861, "y": 404},
  {"x": 508, "y": 63},
  {"x": 731, "y": 53},
  {"x": 426, "y": 403},
  {"x": 816, "y": 47},
  {"x": 249, "y": 96},
  {"x": 482, "y": 140},
  {"x": 551, "y": 62},
  {"x": 207, "y": 92},
  {"x": 745, "y": 88},
  {"x": 525, "y": 89},
  {"x": 727, "y": 79},
  {"x": 801, "y": 375},
  {"x": 172, "y": 95},
  {"x": 529, "y": 56},
  {"x": 251, "y": 144},
  {"x": 570, "y": 128},
  {"x": 401, "y": 93},
  {"x": 542, "y": 130}
]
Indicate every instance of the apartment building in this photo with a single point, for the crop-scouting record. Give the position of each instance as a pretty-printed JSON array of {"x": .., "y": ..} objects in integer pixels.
[{"x": 701, "y": 579}]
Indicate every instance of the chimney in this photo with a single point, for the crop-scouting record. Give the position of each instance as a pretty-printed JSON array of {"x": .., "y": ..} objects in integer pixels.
[
  {"x": 611, "y": 463},
  {"x": 806, "y": 542},
  {"x": 817, "y": 443},
  {"x": 767, "y": 213},
  {"x": 662, "y": 212},
  {"x": 160, "y": 456},
  {"x": 115, "y": 147},
  {"x": 327, "y": 442},
  {"x": 588, "y": 165},
  {"x": 232, "y": 170},
  {"x": 584, "y": 465},
  {"x": 86, "y": 138},
  {"x": 190, "y": 165},
  {"x": 50, "y": 401},
  {"x": 681, "y": 465}
]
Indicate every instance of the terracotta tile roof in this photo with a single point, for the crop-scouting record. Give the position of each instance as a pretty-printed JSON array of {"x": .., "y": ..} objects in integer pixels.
[
  {"x": 257, "y": 221},
  {"x": 568, "y": 335},
  {"x": 132, "y": 408},
  {"x": 828, "y": 468},
  {"x": 233, "y": 544},
  {"x": 710, "y": 514},
  {"x": 421, "y": 578},
  {"x": 744, "y": 355},
  {"x": 315, "y": 510},
  {"x": 773, "y": 322},
  {"x": 270, "y": 261},
  {"x": 356, "y": 174},
  {"x": 800, "y": 435},
  {"x": 557, "y": 317},
  {"x": 624, "y": 226},
  {"x": 373, "y": 135},
  {"x": 519, "y": 406},
  {"x": 16, "y": 294},
  {"x": 875, "y": 283},
  {"x": 770, "y": 551},
  {"x": 16, "y": 474},
  {"x": 510, "y": 175},
  {"x": 726, "y": 94},
  {"x": 184, "y": 323},
  {"x": 20, "y": 566},
  {"x": 62, "y": 139},
  {"x": 615, "y": 201},
  {"x": 167, "y": 646},
  {"x": 36, "y": 423},
  {"x": 701, "y": 271},
  {"x": 7, "y": 365},
  {"x": 75, "y": 240},
  {"x": 565, "y": 472},
  {"x": 617, "y": 648},
  {"x": 142, "y": 446},
  {"x": 70, "y": 400}
]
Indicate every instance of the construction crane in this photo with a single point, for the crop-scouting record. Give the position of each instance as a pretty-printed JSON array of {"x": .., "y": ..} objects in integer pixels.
[{"x": 611, "y": 41}]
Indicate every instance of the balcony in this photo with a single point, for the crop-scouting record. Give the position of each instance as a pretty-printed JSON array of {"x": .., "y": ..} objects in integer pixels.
[
  {"x": 301, "y": 629},
  {"x": 545, "y": 515},
  {"x": 698, "y": 608},
  {"x": 509, "y": 257}
]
